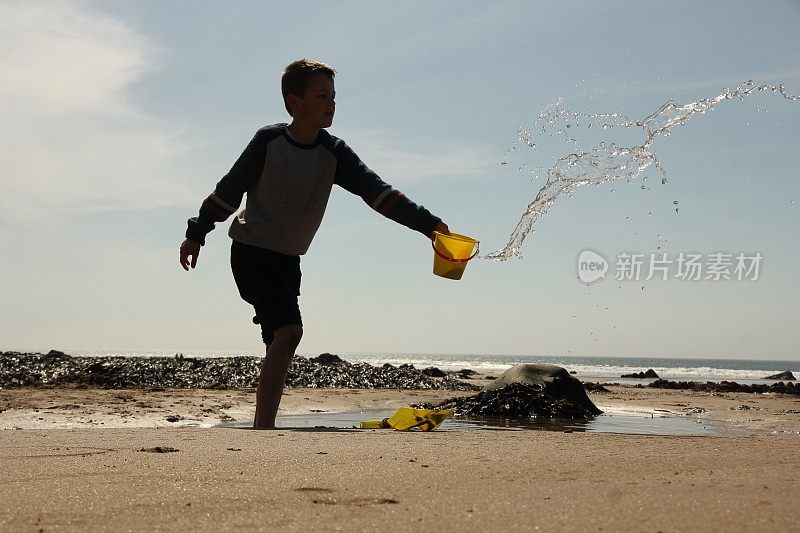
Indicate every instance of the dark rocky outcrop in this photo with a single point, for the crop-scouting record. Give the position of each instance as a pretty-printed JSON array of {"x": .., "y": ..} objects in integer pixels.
[
  {"x": 650, "y": 374},
  {"x": 526, "y": 391},
  {"x": 728, "y": 386},
  {"x": 433, "y": 372},
  {"x": 517, "y": 401},
  {"x": 594, "y": 387},
  {"x": 34, "y": 370},
  {"x": 327, "y": 359},
  {"x": 783, "y": 376},
  {"x": 555, "y": 380}
]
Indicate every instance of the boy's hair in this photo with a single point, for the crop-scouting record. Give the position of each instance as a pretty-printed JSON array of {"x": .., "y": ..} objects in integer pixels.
[{"x": 295, "y": 77}]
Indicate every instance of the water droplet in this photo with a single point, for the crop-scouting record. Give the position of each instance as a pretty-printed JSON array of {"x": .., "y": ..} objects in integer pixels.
[
  {"x": 503, "y": 162},
  {"x": 650, "y": 213},
  {"x": 675, "y": 202},
  {"x": 663, "y": 181}
]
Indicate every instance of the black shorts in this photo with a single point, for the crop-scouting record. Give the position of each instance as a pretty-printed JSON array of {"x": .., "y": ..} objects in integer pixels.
[{"x": 270, "y": 282}]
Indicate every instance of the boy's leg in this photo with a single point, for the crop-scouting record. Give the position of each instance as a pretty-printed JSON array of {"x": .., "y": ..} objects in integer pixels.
[{"x": 273, "y": 374}]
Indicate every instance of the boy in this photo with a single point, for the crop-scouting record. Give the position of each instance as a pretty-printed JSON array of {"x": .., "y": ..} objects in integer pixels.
[{"x": 287, "y": 172}]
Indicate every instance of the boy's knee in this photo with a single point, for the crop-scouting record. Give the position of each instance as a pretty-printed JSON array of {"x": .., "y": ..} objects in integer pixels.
[{"x": 289, "y": 335}]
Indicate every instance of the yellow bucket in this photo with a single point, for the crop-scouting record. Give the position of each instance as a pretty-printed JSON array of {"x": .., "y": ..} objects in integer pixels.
[{"x": 451, "y": 254}]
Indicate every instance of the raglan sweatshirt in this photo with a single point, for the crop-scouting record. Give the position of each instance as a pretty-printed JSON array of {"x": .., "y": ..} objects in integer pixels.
[{"x": 288, "y": 185}]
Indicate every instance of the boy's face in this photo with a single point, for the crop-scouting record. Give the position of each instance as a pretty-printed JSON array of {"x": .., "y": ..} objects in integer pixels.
[{"x": 317, "y": 106}]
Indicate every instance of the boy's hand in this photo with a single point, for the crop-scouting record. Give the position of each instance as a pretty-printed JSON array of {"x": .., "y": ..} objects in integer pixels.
[
  {"x": 189, "y": 248},
  {"x": 441, "y": 227}
]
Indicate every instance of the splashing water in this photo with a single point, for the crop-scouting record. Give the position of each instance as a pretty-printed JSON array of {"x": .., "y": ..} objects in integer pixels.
[{"x": 608, "y": 161}]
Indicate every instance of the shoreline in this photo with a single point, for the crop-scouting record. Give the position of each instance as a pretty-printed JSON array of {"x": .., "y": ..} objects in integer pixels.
[
  {"x": 85, "y": 407},
  {"x": 596, "y": 368}
]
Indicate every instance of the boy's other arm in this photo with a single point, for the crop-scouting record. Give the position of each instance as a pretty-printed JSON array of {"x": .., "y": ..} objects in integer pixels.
[
  {"x": 354, "y": 176},
  {"x": 189, "y": 248},
  {"x": 226, "y": 198}
]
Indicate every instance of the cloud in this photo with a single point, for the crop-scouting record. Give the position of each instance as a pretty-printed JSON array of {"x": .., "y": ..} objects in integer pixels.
[{"x": 73, "y": 139}]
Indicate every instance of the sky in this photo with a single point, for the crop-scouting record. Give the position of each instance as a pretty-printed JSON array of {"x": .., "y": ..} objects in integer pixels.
[{"x": 120, "y": 117}]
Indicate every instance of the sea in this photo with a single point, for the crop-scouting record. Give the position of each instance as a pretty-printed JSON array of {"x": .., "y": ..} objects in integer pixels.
[{"x": 595, "y": 368}]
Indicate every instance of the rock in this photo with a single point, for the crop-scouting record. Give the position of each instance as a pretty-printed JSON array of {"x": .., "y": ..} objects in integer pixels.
[
  {"x": 786, "y": 376},
  {"x": 555, "y": 380},
  {"x": 433, "y": 372},
  {"x": 174, "y": 418},
  {"x": 572, "y": 372},
  {"x": 642, "y": 375},
  {"x": 728, "y": 386},
  {"x": 594, "y": 387},
  {"x": 55, "y": 354},
  {"x": 517, "y": 401},
  {"x": 159, "y": 373},
  {"x": 327, "y": 359},
  {"x": 159, "y": 449}
]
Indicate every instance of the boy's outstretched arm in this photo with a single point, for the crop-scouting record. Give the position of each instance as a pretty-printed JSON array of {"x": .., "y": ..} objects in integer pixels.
[
  {"x": 441, "y": 227},
  {"x": 353, "y": 175},
  {"x": 225, "y": 200}
]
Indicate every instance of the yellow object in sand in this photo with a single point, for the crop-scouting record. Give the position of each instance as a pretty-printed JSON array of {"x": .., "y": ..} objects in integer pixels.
[{"x": 407, "y": 418}]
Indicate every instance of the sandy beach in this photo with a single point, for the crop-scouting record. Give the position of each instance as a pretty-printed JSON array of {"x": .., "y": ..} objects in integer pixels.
[{"x": 97, "y": 459}]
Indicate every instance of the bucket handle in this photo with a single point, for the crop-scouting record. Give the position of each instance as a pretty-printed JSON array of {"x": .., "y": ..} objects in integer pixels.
[{"x": 453, "y": 260}]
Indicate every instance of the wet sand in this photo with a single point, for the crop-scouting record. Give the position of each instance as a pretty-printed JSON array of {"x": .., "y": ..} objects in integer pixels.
[{"x": 97, "y": 476}]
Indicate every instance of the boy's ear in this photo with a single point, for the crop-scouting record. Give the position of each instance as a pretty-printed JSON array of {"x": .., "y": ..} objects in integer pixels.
[{"x": 292, "y": 100}]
